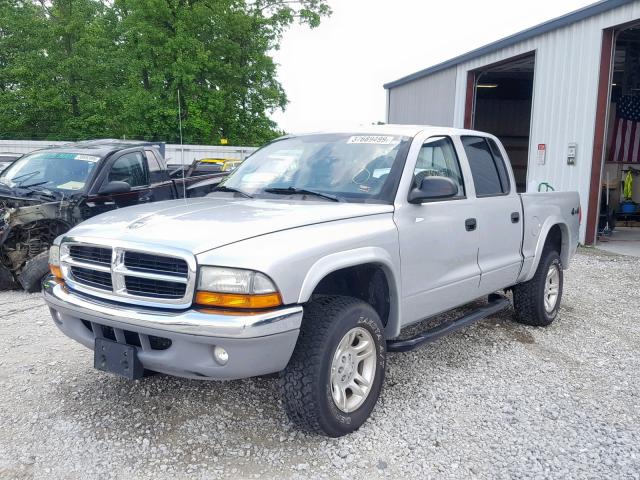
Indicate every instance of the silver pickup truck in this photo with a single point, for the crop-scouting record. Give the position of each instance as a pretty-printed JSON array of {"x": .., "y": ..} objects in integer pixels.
[{"x": 310, "y": 259}]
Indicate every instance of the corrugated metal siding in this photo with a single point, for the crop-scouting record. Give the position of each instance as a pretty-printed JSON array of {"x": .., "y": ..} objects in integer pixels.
[
  {"x": 428, "y": 101},
  {"x": 564, "y": 97}
]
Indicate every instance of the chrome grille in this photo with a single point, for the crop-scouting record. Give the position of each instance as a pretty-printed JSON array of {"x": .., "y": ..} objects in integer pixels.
[
  {"x": 125, "y": 274},
  {"x": 148, "y": 287},
  {"x": 154, "y": 263},
  {"x": 84, "y": 253},
  {"x": 93, "y": 278}
]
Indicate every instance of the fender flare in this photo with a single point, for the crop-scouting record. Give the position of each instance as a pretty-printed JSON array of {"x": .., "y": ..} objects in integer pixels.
[
  {"x": 351, "y": 258},
  {"x": 548, "y": 224}
]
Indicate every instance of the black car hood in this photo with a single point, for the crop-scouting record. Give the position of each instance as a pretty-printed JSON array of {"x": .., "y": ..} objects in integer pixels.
[
  {"x": 19, "y": 197},
  {"x": 14, "y": 201}
]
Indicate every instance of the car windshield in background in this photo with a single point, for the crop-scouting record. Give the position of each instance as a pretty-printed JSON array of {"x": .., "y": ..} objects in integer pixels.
[
  {"x": 65, "y": 172},
  {"x": 347, "y": 167}
]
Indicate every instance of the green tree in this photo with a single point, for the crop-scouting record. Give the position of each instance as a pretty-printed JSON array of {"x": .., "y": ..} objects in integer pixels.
[
  {"x": 55, "y": 71},
  {"x": 87, "y": 68}
]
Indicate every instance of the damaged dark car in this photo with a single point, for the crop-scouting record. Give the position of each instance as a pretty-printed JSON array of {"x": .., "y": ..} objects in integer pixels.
[{"x": 45, "y": 193}]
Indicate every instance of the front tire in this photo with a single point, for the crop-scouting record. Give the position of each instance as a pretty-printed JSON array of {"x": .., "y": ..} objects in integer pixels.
[
  {"x": 537, "y": 301},
  {"x": 335, "y": 374},
  {"x": 34, "y": 271}
]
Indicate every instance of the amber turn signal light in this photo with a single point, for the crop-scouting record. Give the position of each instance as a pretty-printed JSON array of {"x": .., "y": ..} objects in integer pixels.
[
  {"x": 55, "y": 271},
  {"x": 234, "y": 300}
]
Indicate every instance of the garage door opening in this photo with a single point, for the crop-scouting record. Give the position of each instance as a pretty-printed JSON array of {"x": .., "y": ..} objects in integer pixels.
[
  {"x": 503, "y": 101},
  {"x": 619, "y": 200}
]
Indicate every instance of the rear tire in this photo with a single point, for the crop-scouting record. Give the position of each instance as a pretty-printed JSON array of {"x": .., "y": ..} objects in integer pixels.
[
  {"x": 6, "y": 279},
  {"x": 537, "y": 301},
  {"x": 34, "y": 272},
  {"x": 335, "y": 374}
]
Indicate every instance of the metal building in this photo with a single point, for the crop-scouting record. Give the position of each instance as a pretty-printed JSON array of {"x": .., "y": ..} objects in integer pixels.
[{"x": 553, "y": 94}]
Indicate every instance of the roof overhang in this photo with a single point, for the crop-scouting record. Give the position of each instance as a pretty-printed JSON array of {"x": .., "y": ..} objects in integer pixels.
[{"x": 559, "y": 22}]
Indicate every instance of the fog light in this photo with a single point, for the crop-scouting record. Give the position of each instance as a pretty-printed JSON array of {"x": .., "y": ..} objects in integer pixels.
[{"x": 221, "y": 355}]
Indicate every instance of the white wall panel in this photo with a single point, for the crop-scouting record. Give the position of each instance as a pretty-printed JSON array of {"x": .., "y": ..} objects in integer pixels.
[{"x": 427, "y": 101}]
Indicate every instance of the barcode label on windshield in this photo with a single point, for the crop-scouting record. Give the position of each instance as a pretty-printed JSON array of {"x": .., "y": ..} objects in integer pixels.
[
  {"x": 87, "y": 158},
  {"x": 371, "y": 139}
]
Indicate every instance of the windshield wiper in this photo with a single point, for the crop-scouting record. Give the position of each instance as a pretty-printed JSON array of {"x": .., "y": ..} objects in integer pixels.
[
  {"x": 33, "y": 184},
  {"x": 25, "y": 176},
  {"x": 300, "y": 191},
  {"x": 31, "y": 190},
  {"x": 224, "y": 188}
]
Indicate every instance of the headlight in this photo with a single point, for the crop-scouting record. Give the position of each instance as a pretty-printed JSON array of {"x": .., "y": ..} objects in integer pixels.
[
  {"x": 236, "y": 288},
  {"x": 54, "y": 261}
]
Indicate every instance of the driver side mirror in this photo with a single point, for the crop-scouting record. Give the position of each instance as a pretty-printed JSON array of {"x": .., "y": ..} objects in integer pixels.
[
  {"x": 433, "y": 188},
  {"x": 114, "y": 187}
]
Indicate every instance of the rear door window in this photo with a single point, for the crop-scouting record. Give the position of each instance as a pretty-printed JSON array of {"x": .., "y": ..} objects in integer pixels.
[
  {"x": 157, "y": 174},
  {"x": 500, "y": 164},
  {"x": 488, "y": 170}
]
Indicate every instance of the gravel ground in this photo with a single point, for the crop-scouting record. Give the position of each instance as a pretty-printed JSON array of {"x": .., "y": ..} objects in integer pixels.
[{"x": 496, "y": 400}]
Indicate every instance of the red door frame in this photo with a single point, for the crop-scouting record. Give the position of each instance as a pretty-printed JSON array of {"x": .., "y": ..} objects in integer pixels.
[
  {"x": 470, "y": 97},
  {"x": 597, "y": 159}
]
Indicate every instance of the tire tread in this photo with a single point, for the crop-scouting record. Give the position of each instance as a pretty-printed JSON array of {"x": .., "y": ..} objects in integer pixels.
[
  {"x": 526, "y": 299},
  {"x": 300, "y": 383}
]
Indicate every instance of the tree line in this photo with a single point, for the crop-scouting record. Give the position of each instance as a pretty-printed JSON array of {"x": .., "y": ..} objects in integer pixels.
[{"x": 78, "y": 69}]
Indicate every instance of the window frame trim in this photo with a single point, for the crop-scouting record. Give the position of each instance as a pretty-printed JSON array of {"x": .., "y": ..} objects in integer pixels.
[
  {"x": 145, "y": 163},
  {"x": 457, "y": 158}
]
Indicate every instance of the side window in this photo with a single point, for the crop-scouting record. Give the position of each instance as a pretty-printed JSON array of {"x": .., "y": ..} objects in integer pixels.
[
  {"x": 438, "y": 157},
  {"x": 156, "y": 172},
  {"x": 484, "y": 168},
  {"x": 130, "y": 168},
  {"x": 500, "y": 164}
]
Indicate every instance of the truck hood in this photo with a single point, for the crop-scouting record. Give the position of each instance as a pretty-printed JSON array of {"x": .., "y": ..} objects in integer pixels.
[{"x": 202, "y": 224}]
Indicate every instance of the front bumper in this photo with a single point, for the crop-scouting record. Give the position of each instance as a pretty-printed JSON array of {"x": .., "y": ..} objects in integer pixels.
[{"x": 256, "y": 344}]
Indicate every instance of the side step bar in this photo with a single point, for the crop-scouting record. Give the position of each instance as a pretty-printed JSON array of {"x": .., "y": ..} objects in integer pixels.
[{"x": 496, "y": 304}]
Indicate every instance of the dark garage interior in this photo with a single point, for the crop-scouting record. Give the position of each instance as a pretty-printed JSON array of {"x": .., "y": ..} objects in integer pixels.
[{"x": 503, "y": 99}]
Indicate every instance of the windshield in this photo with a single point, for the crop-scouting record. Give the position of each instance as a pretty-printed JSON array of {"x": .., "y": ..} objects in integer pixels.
[
  {"x": 65, "y": 172},
  {"x": 350, "y": 167}
]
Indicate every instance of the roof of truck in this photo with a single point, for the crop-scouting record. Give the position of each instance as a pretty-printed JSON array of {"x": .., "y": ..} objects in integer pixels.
[
  {"x": 101, "y": 148},
  {"x": 396, "y": 129}
]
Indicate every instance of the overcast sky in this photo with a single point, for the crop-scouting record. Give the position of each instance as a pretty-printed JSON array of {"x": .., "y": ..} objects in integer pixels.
[{"x": 333, "y": 74}]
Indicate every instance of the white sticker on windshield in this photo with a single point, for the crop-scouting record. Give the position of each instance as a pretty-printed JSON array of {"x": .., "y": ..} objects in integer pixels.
[
  {"x": 71, "y": 185},
  {"x": 371, "y": 139},
  {"x": 87, "y": 158}
]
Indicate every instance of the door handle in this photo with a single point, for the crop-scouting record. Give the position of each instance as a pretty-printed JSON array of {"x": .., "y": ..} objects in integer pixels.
[
  {"x": 470, "y": 224},
  {"x": 515, "y": 217}
]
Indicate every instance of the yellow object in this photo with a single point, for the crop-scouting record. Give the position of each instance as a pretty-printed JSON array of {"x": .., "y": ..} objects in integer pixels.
[
  {"x": 225, "y": 165},
  {"x": 224, "y": 141},
  {"x": 235, "y": 300},
  {"x": 213, "y": 160},
  {"x": 55, "y": 271},
  {"x": 628, "y": 186},
  {"x": 230, "y": 165}
]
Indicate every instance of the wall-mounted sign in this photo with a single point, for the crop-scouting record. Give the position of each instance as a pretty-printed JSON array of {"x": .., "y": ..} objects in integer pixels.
[
  {"x": 572, "y": 153},
  {"x": 542, "y": 153}
]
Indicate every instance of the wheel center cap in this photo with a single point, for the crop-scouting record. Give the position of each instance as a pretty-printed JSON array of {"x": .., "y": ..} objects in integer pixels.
[{"x": 347, "y": 368}]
